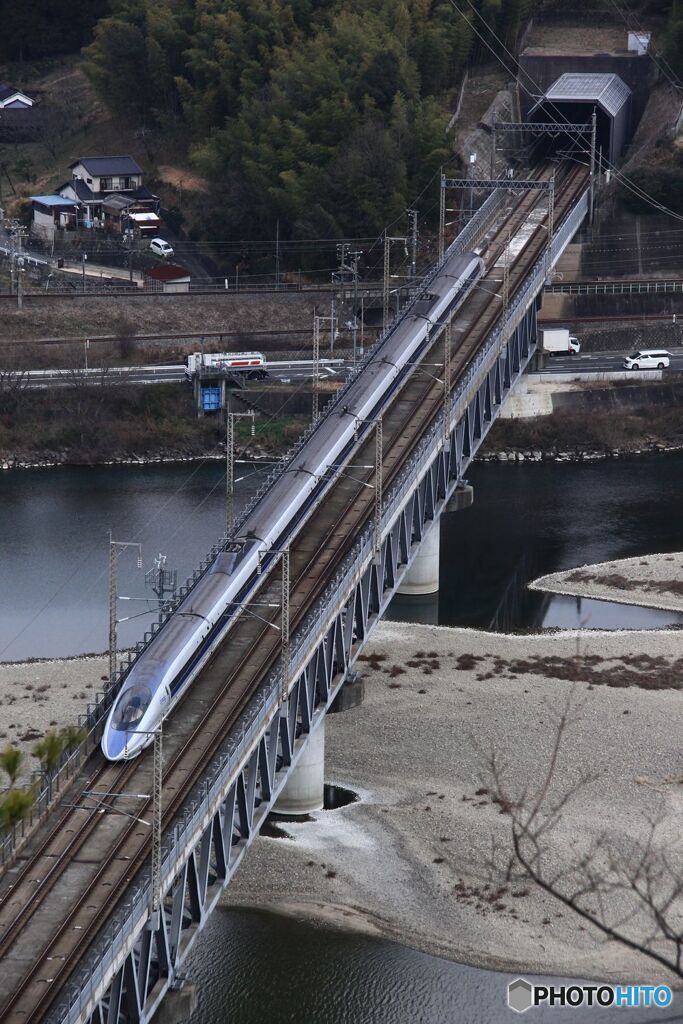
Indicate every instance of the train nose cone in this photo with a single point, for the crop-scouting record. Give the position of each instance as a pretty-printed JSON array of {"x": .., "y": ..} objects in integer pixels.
[{"x": 115, "y": 743}]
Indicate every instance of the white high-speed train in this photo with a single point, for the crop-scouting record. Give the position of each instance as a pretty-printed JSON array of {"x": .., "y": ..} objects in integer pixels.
[{"x": 163, "y": 672}]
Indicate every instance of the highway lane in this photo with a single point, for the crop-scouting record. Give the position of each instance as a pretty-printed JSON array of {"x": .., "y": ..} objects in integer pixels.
[
  {"x": 604, "y": 362},
  {"x": 278, "y": 371},
  {"x": 289, "y": 371}
]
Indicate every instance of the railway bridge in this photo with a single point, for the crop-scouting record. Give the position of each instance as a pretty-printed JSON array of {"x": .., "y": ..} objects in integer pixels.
[{"x": 101, "y": 902}]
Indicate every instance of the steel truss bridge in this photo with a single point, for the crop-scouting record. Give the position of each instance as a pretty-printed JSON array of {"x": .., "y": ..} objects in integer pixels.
[{"x": 82, "y": 938}]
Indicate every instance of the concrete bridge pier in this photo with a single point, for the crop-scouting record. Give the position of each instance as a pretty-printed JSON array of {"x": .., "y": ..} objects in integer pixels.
[
  {"x": 423, "y": 576},
  {"x": 304, "y": 791}
]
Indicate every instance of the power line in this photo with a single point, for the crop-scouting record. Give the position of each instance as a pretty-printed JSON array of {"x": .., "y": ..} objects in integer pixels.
[{"x": 565, "y": 121}]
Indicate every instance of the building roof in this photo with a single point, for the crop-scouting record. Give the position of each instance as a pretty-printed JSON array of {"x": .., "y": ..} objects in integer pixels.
[
  {"x": 106, "y": 165},
  {"x": 117, "y": 202},
  {"x": 167, "y": 272},
  {"x": 609, "y": 91},
  {"x": 144, "y": 218},
  {"x": 143, "y": 193},
  {"x": 53, "y": 201},
  {"x": 83, "y": 191},
  {"x": 10, "y": 90}
]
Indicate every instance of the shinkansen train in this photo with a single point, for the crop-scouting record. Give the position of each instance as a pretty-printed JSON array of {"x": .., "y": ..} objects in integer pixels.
[{"x": 166, "y": 668}]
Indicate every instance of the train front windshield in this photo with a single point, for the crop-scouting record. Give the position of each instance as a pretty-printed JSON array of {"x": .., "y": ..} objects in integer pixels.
[{"x": 131, "y": 708}]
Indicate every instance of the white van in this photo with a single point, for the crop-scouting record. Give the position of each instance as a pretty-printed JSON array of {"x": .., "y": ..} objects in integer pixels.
[
  {"x": 161, "y": 247},
  {"x": 647, "y": 359}
]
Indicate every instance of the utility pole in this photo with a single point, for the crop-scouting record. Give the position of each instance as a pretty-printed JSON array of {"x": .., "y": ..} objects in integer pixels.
[
  {"x": 317, "y": 321},
  {"x": 591, "y": 201},
  {"x": 348, "y": 264},
  {"x": 115, "y": 549},
  {"x": 551, "y": 230},
  {"x": 378, "y": 486},
  {"x": 285, "y": 653},
  {"x": 333, "y": 320},
  {"x": 277, "y": 254},
  {"x": 156, "y": 822},
  {"x": 316, "y": 368},
  {"x": 388, "y": 239},
  {"x": 85, "y": 256},
  {"x": 506, "y": 284},
  {"x": 20, "y": 283},
  {"x": 385, "y": 285},
  {"x": 162, "y": 581},
  {"x": 230, "y": 463},
  {"x": 442, "y": 217},
  {"x": 412, "y": 234},
  {"x": 355, "y": 256},
  {"x": 447, "y": 379},
  {"x": 362, "y": 327}
]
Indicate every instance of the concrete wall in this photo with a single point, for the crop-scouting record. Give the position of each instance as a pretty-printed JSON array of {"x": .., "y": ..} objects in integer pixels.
[
  {"x": 569, "y": 307},
  {"x": 542, "y": 395}
]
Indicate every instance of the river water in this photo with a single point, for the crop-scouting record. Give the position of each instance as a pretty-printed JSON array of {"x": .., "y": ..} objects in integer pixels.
[
  {"x": 274, "y": 969},
  {"x": 527, "y": 520}
]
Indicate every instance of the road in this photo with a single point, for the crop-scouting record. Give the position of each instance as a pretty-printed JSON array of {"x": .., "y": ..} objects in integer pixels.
[
  {"x": 281, "y": 370},
  {"x": 601, "y": 362},
  {"x": 286, "y": 371}
]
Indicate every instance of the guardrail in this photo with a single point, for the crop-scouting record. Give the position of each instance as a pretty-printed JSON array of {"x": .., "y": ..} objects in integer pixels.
[
  {"x": 130, "y": 918},
  {"x": 95, "y": 714},
  {"x": 615, "y": 288}
]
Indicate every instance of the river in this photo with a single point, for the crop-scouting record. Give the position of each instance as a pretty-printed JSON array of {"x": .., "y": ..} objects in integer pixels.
[{"x": 527, "y": 520}]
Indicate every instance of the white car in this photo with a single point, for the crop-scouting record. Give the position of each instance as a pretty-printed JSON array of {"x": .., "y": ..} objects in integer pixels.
[
  {"x": 161, "y": 247},
  {"x": 647, "y": 359}
]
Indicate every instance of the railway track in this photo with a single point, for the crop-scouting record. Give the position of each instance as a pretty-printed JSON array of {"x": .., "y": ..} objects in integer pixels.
[{"x": 102, "y": 863}]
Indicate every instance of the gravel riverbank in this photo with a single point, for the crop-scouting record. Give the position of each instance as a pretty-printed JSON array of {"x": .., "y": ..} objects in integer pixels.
[
  {"x": 409, "y": 859},
  {"x": 654, "y": 581}
]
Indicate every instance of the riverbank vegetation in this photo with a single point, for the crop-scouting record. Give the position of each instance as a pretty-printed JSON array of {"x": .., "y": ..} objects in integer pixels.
[
  {"x": 624, "y": 429},
  {"x": 88, "y": 424}
]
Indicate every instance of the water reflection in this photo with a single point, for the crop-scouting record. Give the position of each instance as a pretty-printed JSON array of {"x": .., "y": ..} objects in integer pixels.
[
  {"x": 564, "y": 612},
  {"x": 526, "y": 520}
]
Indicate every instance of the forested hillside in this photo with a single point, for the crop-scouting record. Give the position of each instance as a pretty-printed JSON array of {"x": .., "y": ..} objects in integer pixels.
[{"x": 328, "y": 115}]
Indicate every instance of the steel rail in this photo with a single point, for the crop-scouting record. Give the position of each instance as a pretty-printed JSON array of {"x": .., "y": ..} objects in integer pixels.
[
  {"x": 8, "y": 932},
  {"x": 426, "y": 403}
]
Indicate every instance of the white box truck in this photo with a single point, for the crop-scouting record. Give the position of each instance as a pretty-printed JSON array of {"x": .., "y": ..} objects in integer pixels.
[{"x": 560, "y": 342}]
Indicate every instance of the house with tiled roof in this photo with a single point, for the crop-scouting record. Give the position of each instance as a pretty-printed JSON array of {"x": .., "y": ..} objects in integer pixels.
[{"x": 109, "y": 195}]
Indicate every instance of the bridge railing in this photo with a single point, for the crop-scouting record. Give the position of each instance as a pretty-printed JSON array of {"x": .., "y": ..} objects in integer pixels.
[
  {"x": 96, "y": 713},
  {"x": 615, "y": 288},
  {"x": 131, "y": 917}
]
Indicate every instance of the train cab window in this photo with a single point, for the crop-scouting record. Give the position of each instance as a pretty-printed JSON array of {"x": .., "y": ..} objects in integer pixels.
[{"x": 132, "y": 705}]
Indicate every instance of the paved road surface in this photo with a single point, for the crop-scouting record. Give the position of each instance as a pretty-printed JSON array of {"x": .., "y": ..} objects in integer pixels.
[
  {"x": 287, "y": 371},
  {"x": 598, "y": 362}
]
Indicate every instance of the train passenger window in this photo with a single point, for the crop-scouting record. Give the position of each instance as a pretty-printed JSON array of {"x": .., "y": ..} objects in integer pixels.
[{"x": 132, "y": 705}]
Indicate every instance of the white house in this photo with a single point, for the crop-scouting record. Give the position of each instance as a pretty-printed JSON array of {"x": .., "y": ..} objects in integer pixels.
[
  {"x": 104, "y": 174},
  {"x": 13, "y": 99},
  {"x": 108, "y": 190}
]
